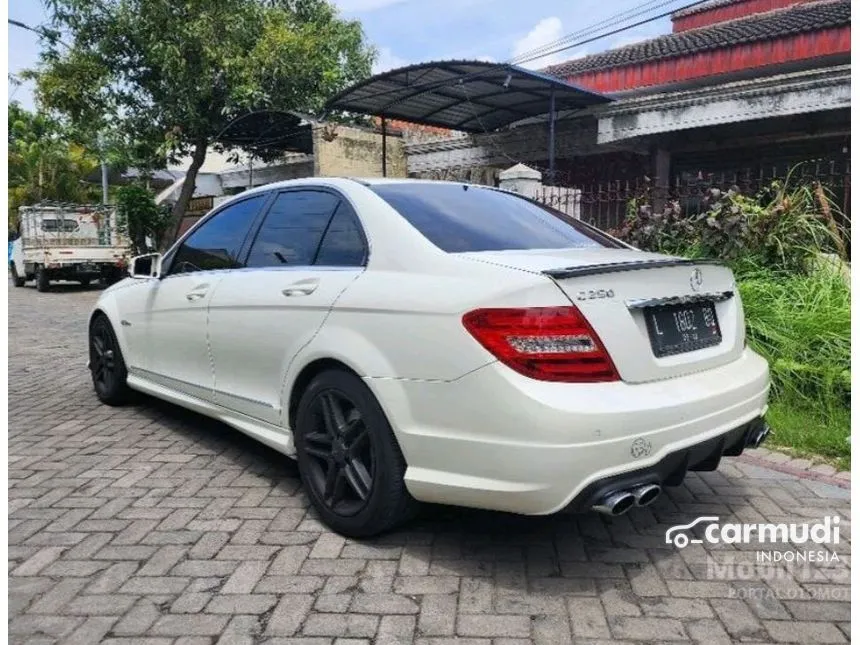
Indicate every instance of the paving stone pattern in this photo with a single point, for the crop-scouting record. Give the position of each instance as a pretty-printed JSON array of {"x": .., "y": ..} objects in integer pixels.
[{"x": 150, "y": 525}]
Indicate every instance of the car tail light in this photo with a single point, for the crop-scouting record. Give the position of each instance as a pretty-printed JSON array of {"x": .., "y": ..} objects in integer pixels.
[{"x": 545, "y": 343}]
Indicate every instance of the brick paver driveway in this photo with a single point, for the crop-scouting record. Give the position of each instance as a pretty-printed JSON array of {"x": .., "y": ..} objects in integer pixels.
[{"x": 151, "y": 525}]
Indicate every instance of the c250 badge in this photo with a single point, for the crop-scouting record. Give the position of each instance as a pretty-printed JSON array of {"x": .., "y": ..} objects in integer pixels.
[{"x": 595, "y": 294}]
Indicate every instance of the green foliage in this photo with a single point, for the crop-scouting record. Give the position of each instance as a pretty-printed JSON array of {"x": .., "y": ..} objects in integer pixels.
[
  {"x": 666, "y": 231},
  {"x": 798, "y": 312},
  {"x": 138, "y": 214},
  {"x": 169, "y": 75},
  {"x": 802, "y": 325},
  {"x": 783, "y": 228},
  {"x": 45, "y": 163}
]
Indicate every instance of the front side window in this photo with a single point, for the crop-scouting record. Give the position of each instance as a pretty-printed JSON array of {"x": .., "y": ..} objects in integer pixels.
[
  {"x": 216, "y": 244},
  {"x": 459, "y": 218},
  {"x": 293, "y": 228}
]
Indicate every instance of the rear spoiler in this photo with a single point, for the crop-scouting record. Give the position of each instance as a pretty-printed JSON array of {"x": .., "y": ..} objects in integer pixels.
[{"x": 617, "y": 267}]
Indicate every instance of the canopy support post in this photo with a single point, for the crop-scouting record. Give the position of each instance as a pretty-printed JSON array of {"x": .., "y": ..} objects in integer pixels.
[
  {"x": 384, "y": 150},
  {"x": 552, "y": 137}
]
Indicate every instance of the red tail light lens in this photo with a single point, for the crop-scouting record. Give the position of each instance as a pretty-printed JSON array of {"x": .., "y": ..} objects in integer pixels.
[{"x": 545, "y": 343}]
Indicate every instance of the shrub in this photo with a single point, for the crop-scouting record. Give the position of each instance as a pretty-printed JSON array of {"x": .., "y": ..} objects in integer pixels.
[
  {"x": 666, "y": 231},
  {"x": 141, "y": 217},
  {"x": 782, "y": 228}
]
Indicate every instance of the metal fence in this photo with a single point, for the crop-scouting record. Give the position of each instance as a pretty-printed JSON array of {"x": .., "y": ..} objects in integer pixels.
[{"x": 606, "y": 204}]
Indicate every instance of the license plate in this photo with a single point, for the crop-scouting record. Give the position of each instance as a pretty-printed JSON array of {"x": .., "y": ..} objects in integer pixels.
[
  {"x": 87, "y": 268},
  {"x": 675, "y": 329}
]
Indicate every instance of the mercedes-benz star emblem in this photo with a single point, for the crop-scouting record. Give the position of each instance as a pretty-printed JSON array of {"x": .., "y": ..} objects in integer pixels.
[{"x": 696, "y": 279}]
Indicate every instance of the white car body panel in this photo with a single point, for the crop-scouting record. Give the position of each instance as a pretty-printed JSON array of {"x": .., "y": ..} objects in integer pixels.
[
  {"x": 175, "y": 333},
  {"x": 473, "y": 431},
  {"x": 248, "y": 310},
  {"x": 622, "y": 329}
]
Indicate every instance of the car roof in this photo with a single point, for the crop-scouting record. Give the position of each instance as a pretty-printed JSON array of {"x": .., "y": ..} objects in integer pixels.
[
  {"x": 348, "y": 181},
  {"x": 345, "y": 183}
]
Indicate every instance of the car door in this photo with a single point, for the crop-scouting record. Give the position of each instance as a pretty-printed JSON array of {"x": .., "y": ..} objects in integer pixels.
[
  {"x": 175, "y": 307},
  {"x": 309, "y": 247}
]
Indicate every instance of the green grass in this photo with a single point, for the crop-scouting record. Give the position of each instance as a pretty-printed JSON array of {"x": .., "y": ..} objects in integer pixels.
[
  {"x": 810, "y": 432},
  {"x": 802, "y": 325}
]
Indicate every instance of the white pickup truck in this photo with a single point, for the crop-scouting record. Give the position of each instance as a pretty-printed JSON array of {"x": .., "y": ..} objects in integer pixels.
[{"x": 79, "y": 243}]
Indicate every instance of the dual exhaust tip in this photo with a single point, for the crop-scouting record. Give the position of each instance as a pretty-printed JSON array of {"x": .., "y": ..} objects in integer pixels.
[
  {"x": 620, "y": 502},
  {"x": 757, "y": 437}
]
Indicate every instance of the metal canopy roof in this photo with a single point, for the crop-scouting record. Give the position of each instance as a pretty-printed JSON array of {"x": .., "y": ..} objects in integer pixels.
[
  {"x": 472, "y": 96},
  {"x": 268, "y": 132}
]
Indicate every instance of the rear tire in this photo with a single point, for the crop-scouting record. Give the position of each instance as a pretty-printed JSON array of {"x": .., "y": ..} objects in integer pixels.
[
  {"x": 42, "y": 282},
  {"x": 17, "y": 280},
  {"x": 107, "y": 365},
  {"x": 352, "y": 471}
]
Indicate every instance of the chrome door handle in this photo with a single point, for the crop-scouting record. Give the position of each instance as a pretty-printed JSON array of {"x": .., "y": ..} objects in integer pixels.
[
  {"x": 299, "y": 291},
  {"x": 301, "y": 288}
]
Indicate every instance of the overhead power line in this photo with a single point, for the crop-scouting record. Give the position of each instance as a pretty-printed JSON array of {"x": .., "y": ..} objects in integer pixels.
[
  {"x": 579, "y": 43},
  {"x": 616, "y": 19},
  {"x": 432, "y": 85}
]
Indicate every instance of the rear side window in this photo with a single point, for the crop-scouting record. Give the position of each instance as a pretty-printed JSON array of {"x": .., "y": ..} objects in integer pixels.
[
  {"x": 293, "y": 228},
  {"x": 343, "y": 244},
  {"x": 460, "y": 218}
]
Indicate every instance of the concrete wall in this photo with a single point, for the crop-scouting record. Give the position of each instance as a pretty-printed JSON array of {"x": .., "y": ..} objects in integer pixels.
[
  {"x": 342, "y": 151},
  {"x": 291, "y": 167}
]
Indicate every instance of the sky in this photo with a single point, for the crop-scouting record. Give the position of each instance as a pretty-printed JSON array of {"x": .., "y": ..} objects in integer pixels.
[{"x": 413, "y": 31}]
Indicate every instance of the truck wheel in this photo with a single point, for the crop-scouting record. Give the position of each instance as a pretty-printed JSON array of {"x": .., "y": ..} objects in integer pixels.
[
  {"x": 109, "y": 277},
  {"x": 42, "y": 281},
  {"x": 17, "y": 280}
]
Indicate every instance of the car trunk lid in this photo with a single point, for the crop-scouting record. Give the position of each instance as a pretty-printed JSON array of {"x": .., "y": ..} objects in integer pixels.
[{"x": 620, "y": 291}]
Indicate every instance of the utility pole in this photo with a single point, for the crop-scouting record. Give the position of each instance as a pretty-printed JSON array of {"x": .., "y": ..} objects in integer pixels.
[{"x": 104, "y": 168}]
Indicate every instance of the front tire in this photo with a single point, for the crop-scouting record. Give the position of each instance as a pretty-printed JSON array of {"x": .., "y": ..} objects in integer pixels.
[
  {"x": 349, "y": 461},
  {"x": 17, "y": 280},
  {"x": 107, "y": 365},
  {"x": 42, "y": 282}
]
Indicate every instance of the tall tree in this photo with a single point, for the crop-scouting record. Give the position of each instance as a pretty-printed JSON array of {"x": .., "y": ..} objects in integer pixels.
[{"x": 174, "y": 73}]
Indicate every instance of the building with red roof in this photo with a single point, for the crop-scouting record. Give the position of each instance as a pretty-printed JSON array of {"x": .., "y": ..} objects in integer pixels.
[{"x": 739, "y": 88}]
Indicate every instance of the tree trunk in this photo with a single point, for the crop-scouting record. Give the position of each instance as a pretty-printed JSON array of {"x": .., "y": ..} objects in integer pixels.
[{"x": 181, "y": 205}]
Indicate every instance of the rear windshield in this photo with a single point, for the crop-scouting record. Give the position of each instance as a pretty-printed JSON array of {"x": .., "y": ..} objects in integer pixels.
[
  {"x": 54, "y": 225},
  {"x": 460, "y": 218}
]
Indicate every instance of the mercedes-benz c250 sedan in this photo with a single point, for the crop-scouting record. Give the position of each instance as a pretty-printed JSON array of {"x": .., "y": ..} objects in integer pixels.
[{"x": 428, "y": 341}]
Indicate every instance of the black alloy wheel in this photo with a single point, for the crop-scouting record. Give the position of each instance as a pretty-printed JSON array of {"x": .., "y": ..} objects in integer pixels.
[
  {"x": 349, "y": 460},
  {"x": 106, "y": 363},
  {"x": 341, "y": 464}
]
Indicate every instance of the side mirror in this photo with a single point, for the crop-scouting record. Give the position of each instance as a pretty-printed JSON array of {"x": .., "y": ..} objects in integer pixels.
[{"x": 145, "y": 266}]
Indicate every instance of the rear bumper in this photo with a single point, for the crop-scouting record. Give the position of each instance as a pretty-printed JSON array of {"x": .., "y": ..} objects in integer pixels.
[
  {"x": 671, "y": 470},
  {"x": 495, "y": 439}
]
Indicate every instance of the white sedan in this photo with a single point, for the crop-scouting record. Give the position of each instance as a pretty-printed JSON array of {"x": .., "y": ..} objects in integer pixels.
[{"x": 439, "y": 342}]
